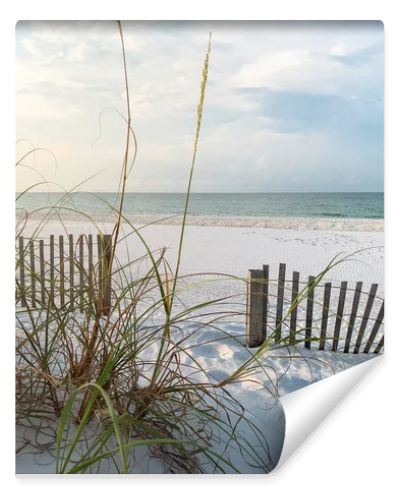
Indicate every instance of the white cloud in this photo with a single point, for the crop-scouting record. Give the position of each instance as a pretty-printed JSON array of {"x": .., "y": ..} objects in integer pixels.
[{"x": 68, "y": 72}]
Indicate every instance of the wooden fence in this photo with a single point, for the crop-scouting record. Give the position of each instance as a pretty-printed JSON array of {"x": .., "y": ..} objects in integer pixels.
[
  {"x": 338, "y": 326},
  {"x": 61, "y": 272}
]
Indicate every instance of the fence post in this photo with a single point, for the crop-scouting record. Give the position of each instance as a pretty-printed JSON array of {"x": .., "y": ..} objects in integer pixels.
[
  {"x": 365, "y": 318},
  {"x": 279, "y": 303},
  {"x": 293, "y": 314},
  {"x": 81, "y": 273},
  {"x": 42, "y": 274},
  {"x": 325, "y": 315},
  {"x": 105, "y": 272},
  {"x": 375, "y": 329},
  {"x": 309, "y": 312},
  {"x": 62, "y": 278},
  {"x": 22, "y": 270},
  {"x": 339, "y": 315},
  {"x": 52, "y": 266},
  {"x": 71, "y": 269},
  {"x": 380, "y": 345},
  {"x": 90, "y": 265},
  {"x": 33, "y": 273},
  {"x": 265, "y": 298},
  {"x": 256, "y": 310},
  {"x": 353, "y": 316}
]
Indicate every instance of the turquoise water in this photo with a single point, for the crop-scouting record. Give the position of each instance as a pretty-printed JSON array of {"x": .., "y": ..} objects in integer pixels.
[{"x": 316, "y": 205}]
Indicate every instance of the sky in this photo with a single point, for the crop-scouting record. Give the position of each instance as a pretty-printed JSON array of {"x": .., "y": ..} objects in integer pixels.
[{"x": 289, "y": 106}]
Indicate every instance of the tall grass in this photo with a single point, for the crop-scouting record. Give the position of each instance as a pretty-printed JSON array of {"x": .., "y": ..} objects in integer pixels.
[{"x": 110, "y": 390}]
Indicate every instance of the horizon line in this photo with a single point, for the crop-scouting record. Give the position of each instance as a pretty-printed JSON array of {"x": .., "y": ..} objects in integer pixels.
[{"x": 208, "y": 192}]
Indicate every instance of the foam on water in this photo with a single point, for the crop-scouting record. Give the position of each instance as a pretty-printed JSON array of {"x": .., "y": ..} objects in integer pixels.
[{"x": 304, "y": 223}]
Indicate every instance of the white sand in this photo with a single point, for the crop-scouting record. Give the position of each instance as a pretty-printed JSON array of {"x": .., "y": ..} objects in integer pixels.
[{"x": 233, "y": 250}]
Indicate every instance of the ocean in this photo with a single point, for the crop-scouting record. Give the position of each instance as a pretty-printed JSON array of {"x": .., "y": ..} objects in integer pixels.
[{"x": 283, "y": 205}]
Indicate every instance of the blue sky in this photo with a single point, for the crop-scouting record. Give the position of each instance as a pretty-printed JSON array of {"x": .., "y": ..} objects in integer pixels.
[{"x": 289, "y": 106}]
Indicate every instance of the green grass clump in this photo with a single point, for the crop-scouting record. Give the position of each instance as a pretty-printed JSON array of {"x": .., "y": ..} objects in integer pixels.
[
  {"x": 101, "y": 386},
  {"x": 107, "y": 388}
]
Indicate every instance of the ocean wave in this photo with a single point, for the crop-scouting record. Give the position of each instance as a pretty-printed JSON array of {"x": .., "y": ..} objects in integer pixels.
[{"x": 294, "y": 223}]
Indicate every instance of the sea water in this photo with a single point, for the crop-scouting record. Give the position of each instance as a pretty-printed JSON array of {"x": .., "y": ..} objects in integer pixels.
[{"x": 302, "y": 205}]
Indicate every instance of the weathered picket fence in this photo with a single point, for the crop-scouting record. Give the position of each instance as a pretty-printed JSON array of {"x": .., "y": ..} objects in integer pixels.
[
  {"x": 61, "y": 272},
  {"x": 347, "y": 330}
]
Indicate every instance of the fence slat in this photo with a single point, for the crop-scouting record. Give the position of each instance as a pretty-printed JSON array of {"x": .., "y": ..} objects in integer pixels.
[
  {"x": 21, "y": 251},
  {"x": 42, "y": 273},
  {"x": 365, "y": 318},
  {"x": 90, "y": 263},
  {"x": 293, "y": 314},
  {"x": 71, "y": 269},
  {"x": 379, "y": 346},
  {"x": 309, "y": 312},
  {"x": 375, "y": 329},
  {"x": 100, "y": 261},
  {"x": 279, "y": 303},
  {"x": 62, "y": 276},
  {"x": 52, "y": 280},
  {"x": 339, "y": 315},
  {"x": 255, "y": 333},
  {"x": 33, "y": 272},
  {"x": 104, "y": 245},
  {"x": 81, "y": 273},
  {"x": 353, "y": 315},
  {"x": 266, "y": 299},
  {"x": 325, "y": 315},
  {"x": 107, "y": 250}
]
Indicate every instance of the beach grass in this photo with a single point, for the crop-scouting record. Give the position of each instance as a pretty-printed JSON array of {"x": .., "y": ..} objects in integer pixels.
[
  {"x": 107, "y": 390},
  {"x": 85, "y": 379}
]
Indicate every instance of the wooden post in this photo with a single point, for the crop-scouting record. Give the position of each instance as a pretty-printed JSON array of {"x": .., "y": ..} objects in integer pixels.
[
  {"x": 339, "y": 315},
  {"x": 279, "y": 303},
  {"x": 293, "y": 314},
  {"x": 52, "y": 280},
  {"x": 353, "y": 315},
  {"x": 21, "y": 251},
  {"x": 90, "y": 266},
  {"x": 325, "y": 315},
  {"x": 255, "y": 331},
  {"x": 309, "y": 312},
  {"x": 71, "y": 269},
  {"x": 108, "y": 255},
  {"x": 100, "y": 262},
  {"x": 105, "y": 252},
  {"x": 33, "y": 273},
  {"x": 62, "y": 279},
  {"x": 379, "y": 346},
  {"x": 42, "y": 273},
  {"x": 81, "y": 273},
  {"x": 365, "y": 318},
  {"x": 265, "y": 297},
  {"x": 375, "y": 328}
]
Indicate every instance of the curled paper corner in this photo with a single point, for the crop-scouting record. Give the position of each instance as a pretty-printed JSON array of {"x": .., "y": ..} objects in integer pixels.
[{"x": 305, "y": 409}]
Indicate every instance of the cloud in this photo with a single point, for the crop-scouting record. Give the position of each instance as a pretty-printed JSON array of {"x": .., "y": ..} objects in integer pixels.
[
  {"x": 295, "y": 106},
  {"x": 361, "y": 56}
]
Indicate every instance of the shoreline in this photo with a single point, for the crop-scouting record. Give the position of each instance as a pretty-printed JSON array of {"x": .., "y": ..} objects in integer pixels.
[
  {"x": 288, "y": 223},
  {"x": 235, "y": 250}
]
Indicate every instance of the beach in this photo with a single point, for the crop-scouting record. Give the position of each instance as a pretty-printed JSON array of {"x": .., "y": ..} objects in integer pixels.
[
  {"x": 181, "y": 267},
  {"x": 229, "y": 245},
  {"x": 215, "y": 263}
]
